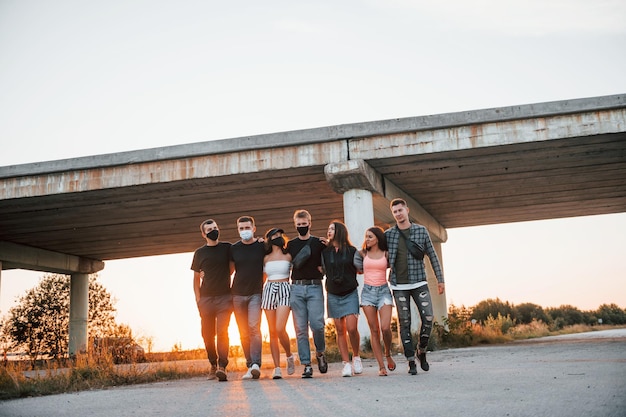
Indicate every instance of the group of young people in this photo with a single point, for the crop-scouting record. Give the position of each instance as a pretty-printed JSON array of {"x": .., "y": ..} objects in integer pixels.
[{"x": 281, "y": 276}]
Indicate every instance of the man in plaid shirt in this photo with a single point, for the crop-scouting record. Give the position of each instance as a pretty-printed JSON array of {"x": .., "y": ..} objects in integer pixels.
[{"x": 408, "y": 279}]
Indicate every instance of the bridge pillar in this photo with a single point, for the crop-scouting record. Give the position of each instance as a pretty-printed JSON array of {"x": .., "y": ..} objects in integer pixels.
[
  {"x": 79, "y": 310},
  {"x": 358, "y": 213},
  {"x": 440, "y": 305}
]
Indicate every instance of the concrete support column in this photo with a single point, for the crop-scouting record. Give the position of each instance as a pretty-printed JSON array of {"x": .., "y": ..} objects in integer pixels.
[
  {"x": 358, "y": 212},
  {"x": 440, "y": 305},
  {"x": 79, "y": 310}
]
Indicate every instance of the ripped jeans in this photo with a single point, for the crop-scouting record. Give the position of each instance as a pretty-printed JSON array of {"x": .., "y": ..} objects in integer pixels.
[{"x": 421, "y": 297}]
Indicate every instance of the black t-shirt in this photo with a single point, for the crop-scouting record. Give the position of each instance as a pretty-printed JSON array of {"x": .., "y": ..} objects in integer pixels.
[
  {"x": 215, "y": 262},
  {"x": 340, "y": 270},
  {"x": 248, "y": 259},
  {"x": 309, "y": 269},
  {"x": 402, "y": 261}
]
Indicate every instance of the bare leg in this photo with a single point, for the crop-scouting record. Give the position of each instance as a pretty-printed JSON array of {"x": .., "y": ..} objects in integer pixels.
[
  {"x": 385, "y": 327},
  {"x": 342, "y": 340},
  {"x": 282, "y": 315},
  {"x": 372, "y": 320},
  {"x": 353, "y": 333},
  {"x": 274, "y": 348}
]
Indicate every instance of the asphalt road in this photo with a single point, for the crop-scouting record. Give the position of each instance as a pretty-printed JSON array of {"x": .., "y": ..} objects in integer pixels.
[{"x": 561, "y": 376}]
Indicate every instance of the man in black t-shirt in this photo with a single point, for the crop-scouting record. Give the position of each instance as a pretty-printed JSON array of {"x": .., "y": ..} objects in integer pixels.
[
  {"x": 247, "y": 256},
  {"x": 307, "y": 297},
  {"x": 211, "y": 285}
]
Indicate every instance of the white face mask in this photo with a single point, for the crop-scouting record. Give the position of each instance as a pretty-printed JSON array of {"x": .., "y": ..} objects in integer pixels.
[{"x": 246, "y": 234}]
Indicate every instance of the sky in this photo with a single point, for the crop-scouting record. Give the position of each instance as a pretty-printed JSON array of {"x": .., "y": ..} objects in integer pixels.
[{"x": 86, "y": 78}]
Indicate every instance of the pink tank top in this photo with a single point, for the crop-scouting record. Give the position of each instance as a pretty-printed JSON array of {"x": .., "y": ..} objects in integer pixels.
[{"x": 375, "y": 271}]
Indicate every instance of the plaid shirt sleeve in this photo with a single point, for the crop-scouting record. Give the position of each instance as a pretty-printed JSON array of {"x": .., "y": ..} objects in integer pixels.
[{"x": 420, "y": 235}]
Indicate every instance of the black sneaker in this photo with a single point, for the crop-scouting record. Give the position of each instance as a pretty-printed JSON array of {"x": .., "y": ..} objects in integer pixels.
[
  {"x": 421, "y": 355},
  {"x": 412, "y": 368},
  {"x": 308, "y": 372},
  {"x": 322, "y": 363}
]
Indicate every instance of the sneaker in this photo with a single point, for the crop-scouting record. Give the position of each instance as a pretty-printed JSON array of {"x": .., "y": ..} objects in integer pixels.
[
  {"x": 322, "y": 364},
  {"x": 248, "y": 374},
  {"x": 221, "y": 374},
  {"x": 277, "y": 374},
  {"x": 412, "y": 368},
  {"x": 347, "y": 369},
  {"x": 291, "y": 365},
  {"x": 212, "y": 372},
  {"x": 421, "y": 355},
  {"x": 357, "y": 364},
  {"x": 255, "y": 371},
  {"x": 308, "y": 372}
]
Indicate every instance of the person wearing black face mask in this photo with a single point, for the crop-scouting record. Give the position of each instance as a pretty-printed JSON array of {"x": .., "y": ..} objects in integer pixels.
[
  {"x": 275, "y": 301},
  {"x": 307, "y": 296},
  {"x": 211, "y": 285}
]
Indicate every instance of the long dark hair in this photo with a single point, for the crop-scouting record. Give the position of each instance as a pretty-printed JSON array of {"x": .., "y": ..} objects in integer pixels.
[
  {"x": 341, "y": 235},
  {"x": 380, "y": 235}
]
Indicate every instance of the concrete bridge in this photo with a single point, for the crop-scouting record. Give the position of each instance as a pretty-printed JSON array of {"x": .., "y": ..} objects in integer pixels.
[{"x": 500, "y": 165}]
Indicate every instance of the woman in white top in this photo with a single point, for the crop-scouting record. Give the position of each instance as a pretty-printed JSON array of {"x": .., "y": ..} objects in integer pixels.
[
  {"x": 376, "y": 299},
  {"x": 275, "y": 300}
]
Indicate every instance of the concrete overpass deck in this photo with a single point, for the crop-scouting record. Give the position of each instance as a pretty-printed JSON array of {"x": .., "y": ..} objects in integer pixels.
[{"x": 528, "y": 162}]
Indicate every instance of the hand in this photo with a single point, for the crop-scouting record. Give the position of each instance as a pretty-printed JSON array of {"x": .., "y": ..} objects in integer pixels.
[
  {"x": 324, "y": 241},
  {"x": 441, "y": 287}
]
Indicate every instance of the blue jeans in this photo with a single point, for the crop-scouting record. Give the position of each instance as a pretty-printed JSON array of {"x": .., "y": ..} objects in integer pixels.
[
  {"x": 248, "y": 315},
  {"x": 421, "y": 297},
  {"x": 215, "y": 314},
  {"x": 307, "y": 305}
]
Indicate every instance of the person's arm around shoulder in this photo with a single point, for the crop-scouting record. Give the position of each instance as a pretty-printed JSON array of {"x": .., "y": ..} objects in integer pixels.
[
  {"x": 358, "y": 261},
  {"x": 197, "y": 278},
  {"x": 322, "y": 265},
  {"x": 231, "y": 263}
]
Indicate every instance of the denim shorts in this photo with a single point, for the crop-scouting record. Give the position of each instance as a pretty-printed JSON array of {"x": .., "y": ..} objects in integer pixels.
[{"x": 376, "y": 296}]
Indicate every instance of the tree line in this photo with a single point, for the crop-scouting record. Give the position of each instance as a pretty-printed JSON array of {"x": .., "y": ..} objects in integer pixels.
[
  {"x": 39, "y": 323},
  {"x": 555, "y": 317}
]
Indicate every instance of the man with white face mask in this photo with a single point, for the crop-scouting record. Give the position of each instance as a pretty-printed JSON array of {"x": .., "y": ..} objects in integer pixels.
[{"x": 247, "y": 288}]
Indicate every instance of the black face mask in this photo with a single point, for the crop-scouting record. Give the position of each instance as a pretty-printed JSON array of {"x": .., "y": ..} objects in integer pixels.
[
  {"x": 278, "y": 241},
  {"x": 302, "y": 230},
  {"x": 213, "y": 234}
]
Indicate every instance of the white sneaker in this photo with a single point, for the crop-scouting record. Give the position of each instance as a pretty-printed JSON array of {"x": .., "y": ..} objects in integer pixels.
[
  {"x": 277, "y": 374},
  {"x": 347, "y": 369},
  {"x": 255, "y": 371},
  {"x": 248, "y": 374},
  {"x": 291, "y": 365},
  {"x": 357, "y": 364}
]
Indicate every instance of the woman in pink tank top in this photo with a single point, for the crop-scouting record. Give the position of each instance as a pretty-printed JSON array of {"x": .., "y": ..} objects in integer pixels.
[{"x": 376, "y": 299}]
